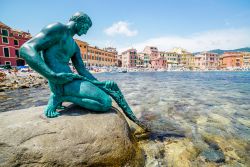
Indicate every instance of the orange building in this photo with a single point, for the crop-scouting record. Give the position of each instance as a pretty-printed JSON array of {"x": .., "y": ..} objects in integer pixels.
[
  {"x": 94, "y": 56},
  {"x": 231, "y": 60}
]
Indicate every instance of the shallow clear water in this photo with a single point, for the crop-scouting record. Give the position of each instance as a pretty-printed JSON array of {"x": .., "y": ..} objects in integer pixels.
[{"x": 189, "y": 112}]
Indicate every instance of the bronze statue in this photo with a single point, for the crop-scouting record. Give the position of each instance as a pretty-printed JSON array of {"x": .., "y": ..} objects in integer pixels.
[{"x": 49, "y": 53}]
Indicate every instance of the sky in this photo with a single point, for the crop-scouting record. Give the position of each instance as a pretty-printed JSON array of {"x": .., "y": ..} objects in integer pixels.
[{"x": 195, "y": 25}]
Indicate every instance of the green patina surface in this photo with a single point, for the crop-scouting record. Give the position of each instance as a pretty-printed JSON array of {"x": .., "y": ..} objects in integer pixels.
[{"x": 49, "y": 53}]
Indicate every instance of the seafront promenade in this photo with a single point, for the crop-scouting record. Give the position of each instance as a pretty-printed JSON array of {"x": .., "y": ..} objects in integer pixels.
[{"x": 27, "y": 78}]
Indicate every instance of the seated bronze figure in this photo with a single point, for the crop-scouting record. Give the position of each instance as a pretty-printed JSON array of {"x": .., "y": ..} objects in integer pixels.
[{"x": 49, "y": 53}]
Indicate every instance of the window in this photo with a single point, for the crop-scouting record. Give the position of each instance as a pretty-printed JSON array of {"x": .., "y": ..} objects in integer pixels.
[
  {"x": 5, "y": 40},
  {"x": 5, "y": 32},
  {"x": 15, "y": 42},
  {"x": 7, "y": 63},
  {"x": 6, "y": 52},
  {"x": 17, "y": 53}
]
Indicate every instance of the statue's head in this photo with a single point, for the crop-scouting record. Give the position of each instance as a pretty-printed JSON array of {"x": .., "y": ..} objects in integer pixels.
[{"x": 83, "y": 22}]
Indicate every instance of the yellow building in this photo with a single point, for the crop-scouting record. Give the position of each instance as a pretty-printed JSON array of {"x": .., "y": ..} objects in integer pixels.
[
  {"x": 171, "y": 57},
  {"x": 186, "y": 58},
  {"x": 246, "y": 59},
  {"x": 94, "y": 56}
]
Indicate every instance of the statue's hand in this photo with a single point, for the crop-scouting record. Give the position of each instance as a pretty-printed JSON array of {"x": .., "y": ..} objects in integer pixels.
[
  {"x": 62, "y": 78},
  {"x": 110, "y": 85}
]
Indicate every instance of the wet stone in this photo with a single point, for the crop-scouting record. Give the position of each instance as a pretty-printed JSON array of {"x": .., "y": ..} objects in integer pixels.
[
  {"x": 213, "y": 155},
  {"x": 78, "y": 136}
]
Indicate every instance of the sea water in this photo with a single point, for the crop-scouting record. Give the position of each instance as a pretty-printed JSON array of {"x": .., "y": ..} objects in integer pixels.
[{"x": 197, "y": 118}]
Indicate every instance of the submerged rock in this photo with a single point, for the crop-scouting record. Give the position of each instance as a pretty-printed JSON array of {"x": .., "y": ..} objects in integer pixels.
[
  {"x": 180, "y": 152},
  {"x": 213, "y": 155},
  {"x": 77, "y": 138}
]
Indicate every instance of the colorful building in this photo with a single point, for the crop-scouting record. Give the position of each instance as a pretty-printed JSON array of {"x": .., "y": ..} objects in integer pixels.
[
  {"x": 230, "y": 60},
  {"x": 10, "y": 43},
  {"x": 129, "y": 58},
  {"x": 94, "y": 56},
  {"x": 145, "y": 59},
  {"x": 206, "y": 61},
  {"x": 139, "y": 61},
  {"x": 171, "y": 58},
  {"x": 156, "y": 60},
  {"x": 119, "y": 60},
  {"x": 246, "y": 60},
  {"x": 113, "y": 50},
  {"x": 186, "y": 58}
]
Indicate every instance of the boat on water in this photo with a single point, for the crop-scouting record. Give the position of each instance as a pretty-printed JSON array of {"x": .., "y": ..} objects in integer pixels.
[{"x": 123, "y": 71}]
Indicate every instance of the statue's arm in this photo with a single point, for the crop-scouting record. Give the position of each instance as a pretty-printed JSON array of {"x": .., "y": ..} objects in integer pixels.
[
  {"x": 30, "y": 51},
  {"x": 79, "y": 65}
]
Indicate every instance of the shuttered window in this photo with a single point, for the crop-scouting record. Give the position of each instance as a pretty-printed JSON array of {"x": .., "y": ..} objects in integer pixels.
[{"x": 6, "y": 52}]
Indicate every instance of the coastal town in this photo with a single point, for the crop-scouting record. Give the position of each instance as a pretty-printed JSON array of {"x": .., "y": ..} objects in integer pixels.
[
  {"x": 125, "y": 83},
  {"x": 149, "y": 59}
]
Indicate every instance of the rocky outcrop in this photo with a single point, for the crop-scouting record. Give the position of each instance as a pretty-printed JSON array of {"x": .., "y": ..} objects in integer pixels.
[
  {"x": 76, "y": 138},
  {"x": 22, "y": 81}
]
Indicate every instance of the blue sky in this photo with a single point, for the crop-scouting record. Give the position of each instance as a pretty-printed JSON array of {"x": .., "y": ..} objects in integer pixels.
[{"x": 195, "y": 25}]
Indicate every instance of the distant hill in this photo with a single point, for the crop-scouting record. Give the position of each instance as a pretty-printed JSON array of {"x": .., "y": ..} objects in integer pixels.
[{"x": 219, "y": 51}]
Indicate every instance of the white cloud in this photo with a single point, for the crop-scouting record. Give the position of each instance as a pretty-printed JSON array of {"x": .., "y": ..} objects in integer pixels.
[
  {"x": 203, "y": 41},
  {"x": 120, "y": 28}
]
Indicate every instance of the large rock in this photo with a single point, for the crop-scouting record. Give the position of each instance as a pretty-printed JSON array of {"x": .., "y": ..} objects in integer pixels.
[{"x": 77, "y": 138}]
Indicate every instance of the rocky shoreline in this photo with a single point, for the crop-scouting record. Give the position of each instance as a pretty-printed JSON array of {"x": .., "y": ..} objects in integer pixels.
[
  {"x": 76, "y": 138},
  {"x": 22, "y": 81}
]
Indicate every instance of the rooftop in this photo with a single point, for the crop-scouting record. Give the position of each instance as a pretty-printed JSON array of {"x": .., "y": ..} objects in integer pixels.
[{"x": 2, "y": 25}]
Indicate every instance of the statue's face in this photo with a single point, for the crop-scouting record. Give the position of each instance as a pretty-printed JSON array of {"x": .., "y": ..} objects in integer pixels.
[{"x": 83, "y": 28}]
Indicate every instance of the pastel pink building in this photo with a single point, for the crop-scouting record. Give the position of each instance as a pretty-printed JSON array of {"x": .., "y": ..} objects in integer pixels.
[
  {"x": 129, "y": 58},
  {"x": 10, "y": 42},
  {"x": 157, "y": 61},
  {"x": 199, "y": 62},
  {"x": 206, "y": 61}
]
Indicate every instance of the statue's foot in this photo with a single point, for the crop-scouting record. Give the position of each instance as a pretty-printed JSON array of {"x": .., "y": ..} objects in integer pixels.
[
  {"x": 53, "y": 104},
  {"x": 51, "y": 114},
  {"x": 144, "y": 126}
]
